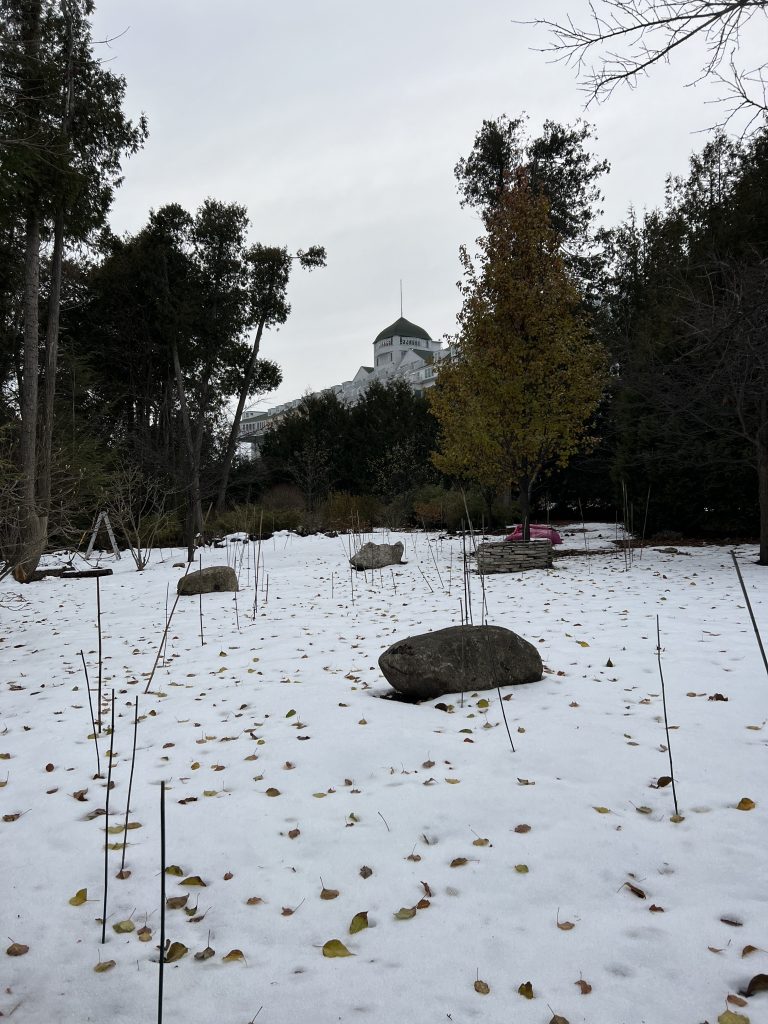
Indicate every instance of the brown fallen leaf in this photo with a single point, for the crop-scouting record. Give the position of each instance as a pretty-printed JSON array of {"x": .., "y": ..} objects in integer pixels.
[
  {"x": 584, "y": 987},
  {"x": 714, "y": 949},
  {"x": 254, "y": 901},
  {"x": 635, "y": 890},
  {"x": 427, "y": 890},
  {"x": 656, "y": 910},
  {"x": 564, "y": 926},
  {"x": 144, "y": 934},
  {"x": 205, "y": 954},
  {"x": 482, "y": 987},
  {"x": 17, "y": 949},
  {"x": 233, "y": 955},
  {"x": 294, "y": 833},
  {"x": 745, "y": 804},
  {"x": 459, "y": 862},
  {"x": 757, "y": 984},
  {"x": 557, "y": 1019},
  {"x": 176, "y": 902},
  {"x": 328, "y": 894},
  {"x": 365, "y": 871},
  {"x": 748, "y": 950},
  {"x": 481, "y": 842},
  {"x": 736, "y": 1000},
  {"x": 732, "y": 921},
  {"x": 175, "y": 951},
  {"x": 228, "y": 875},
  {"x": 662, "y": 781},
  {"x": 522, "y": 829},
  {"x": 526, "y": 990}
]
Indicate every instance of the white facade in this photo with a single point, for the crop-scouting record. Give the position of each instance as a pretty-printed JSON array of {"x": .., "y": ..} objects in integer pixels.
[{"x": 401, "y": 351}]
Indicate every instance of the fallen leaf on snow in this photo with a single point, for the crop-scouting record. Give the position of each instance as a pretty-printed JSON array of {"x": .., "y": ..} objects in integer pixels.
[{"x": 335, "y": 947}]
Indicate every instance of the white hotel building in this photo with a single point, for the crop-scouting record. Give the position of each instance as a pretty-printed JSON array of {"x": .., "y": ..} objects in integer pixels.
[{"x": 401, "y": 351}]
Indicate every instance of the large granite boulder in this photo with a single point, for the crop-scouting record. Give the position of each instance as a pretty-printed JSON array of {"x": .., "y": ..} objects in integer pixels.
[
  {"x": 376, "y": 556},
  {"x": 459, "y": 659},
  {"x": 213, "y": 579}
]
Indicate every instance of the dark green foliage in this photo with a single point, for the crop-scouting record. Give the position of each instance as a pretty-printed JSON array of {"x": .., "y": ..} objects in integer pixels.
[
  {"x": 559, "y": 167},
  {"x": 379, "y": 446}
]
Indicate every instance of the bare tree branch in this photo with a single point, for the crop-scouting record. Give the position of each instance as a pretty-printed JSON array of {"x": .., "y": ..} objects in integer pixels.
[{"x": 623, "y": 39}]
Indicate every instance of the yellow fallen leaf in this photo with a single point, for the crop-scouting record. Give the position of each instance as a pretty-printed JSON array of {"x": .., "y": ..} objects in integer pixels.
[
  {"x": 526, "y": 990},
  {"x": 144, "y": 934},
  {"x": 459, "y": 862},
  {"x": 122, "y": 927},
  {"x": 603, "y": 810},
  {"x": 272, "y": 791},
  {"x": 193, "y": 880},
  {"x": 232, "y": 955},
  {"x": 79, "y": 898},
  {"x": 334, "y": 947},
  {"x": 481, "y": 842},
  {"x": 358, "y": 922},
  {"x": 105, "y": 965},
  {"x": 174, "y": 869},
  {"x": 405, "y": 913},
  {"x": 729, "y": 1017},
  {"x": 582, "y": 643},
  {"x": 521, "y": 869}
]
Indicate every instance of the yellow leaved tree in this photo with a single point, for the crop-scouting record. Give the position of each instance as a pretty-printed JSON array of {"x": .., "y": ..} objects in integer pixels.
[{"x": 525, "y": 375}]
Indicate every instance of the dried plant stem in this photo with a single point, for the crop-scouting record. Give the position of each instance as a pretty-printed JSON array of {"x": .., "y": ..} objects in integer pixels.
[
  {"x": 749, "y": 609},
  {"x": 130, "y": 783},
  {"x": 163, "y": 640},
  {"x": 106, "y": 821},
  {"x": 93, "y": 720},
  {"x": 666, "y": 721}
]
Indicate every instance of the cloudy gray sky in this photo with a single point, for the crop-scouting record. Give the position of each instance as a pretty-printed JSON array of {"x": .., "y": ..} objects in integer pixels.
[{"x": 340, "y": 122}]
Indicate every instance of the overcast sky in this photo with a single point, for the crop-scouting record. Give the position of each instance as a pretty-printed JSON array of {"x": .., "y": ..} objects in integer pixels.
[{"x": 339, "y": 123}]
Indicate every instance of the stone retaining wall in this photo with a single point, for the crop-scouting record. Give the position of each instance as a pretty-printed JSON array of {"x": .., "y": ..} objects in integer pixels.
[{"x": 514, "y": 556}]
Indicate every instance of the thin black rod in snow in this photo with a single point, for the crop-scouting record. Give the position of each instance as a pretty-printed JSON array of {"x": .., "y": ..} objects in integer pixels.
[
  {"x": 93, "y": 720},
  {"x": 749, "y": 609},
  {"x": 106, "y": 821},
  {"x": 666, "y": 721},
  {"x": 162, "y": 905}
]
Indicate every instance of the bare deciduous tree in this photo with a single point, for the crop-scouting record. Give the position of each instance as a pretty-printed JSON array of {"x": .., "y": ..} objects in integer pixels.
[
  {"x": 136, "y": 507},
  {"x": 622, "y": 40}
]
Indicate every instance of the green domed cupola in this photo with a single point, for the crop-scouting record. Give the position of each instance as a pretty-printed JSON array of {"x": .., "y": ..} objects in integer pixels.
[{"x": 403, "y": 328}]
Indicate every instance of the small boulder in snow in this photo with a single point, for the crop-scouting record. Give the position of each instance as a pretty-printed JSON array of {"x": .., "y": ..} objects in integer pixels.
[
  {"x": 376, "y": 556},
  {"x": 460, "y": 659},
  {"x": 212, "y": 579}
]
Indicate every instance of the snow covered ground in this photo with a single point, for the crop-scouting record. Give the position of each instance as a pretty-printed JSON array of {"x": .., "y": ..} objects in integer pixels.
[{"x": 557, "y": 865}]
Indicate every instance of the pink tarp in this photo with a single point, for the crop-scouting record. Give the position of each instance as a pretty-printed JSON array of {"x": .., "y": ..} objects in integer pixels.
[{"x": 538, "y": 532}]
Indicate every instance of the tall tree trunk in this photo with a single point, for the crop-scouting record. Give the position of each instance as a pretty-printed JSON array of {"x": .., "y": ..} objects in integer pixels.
[
  {"x": 235, "y": 428},
  {"x": 194, "y": 522},
  {"x": 29, "y": 529},
  {"x": 54, "y": 296},
  {"x": 51, "y": 359},
  {"x": 524, "y": 497}
]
